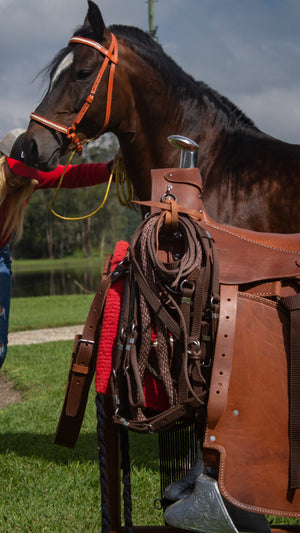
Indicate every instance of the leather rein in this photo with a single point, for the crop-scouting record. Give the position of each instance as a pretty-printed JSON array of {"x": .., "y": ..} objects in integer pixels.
[{"x": 111, "y": 57}]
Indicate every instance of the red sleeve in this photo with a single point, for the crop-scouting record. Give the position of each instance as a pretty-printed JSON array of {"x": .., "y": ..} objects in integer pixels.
[
  {"x": 83, "y": 175},
  {"x": 20, "y": 169}
]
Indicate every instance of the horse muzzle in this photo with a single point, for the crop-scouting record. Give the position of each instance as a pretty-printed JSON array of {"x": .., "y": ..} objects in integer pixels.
[{"x": 42, "y": 148}]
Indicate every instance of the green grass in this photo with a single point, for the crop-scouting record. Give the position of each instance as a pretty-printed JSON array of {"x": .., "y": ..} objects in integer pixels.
[
  {"x": 23, "y": 265},
  {"x": 49, "y": 311},
  {"x": 48, "y": 488}
]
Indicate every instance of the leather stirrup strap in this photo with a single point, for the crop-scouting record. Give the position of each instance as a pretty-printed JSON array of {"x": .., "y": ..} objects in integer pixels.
[
  {"x": 222, "y": 364},
  {"x": 292, "y": 304}
]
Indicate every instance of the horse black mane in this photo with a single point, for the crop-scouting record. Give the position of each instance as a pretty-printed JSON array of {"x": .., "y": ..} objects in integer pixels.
[
  {"x": 151, "y": 51},
  {"x": 144, "y": 45}
]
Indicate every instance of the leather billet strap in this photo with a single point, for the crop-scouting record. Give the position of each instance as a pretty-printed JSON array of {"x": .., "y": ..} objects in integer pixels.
[
  {"x": 110, "y": 58},
  {"x": 83, "y": 363},
  {"x": 292, "y": 305},
  {"x": 223, "y": 354},
  {"x": 84, "y": 351}
]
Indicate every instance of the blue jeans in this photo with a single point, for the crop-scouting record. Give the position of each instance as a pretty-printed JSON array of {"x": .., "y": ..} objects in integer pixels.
[{"x": 5, "y": 295}]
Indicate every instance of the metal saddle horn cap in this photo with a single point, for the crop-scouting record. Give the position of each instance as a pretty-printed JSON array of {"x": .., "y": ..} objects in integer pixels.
[{"x": 189, "y": 150}]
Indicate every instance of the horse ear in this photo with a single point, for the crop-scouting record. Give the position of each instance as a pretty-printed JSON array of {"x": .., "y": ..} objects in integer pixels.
[{"x": 95, "y": 20}]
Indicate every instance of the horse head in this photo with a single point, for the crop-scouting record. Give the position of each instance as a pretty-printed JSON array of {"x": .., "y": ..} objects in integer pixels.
[{"x": 77, "y": 105}]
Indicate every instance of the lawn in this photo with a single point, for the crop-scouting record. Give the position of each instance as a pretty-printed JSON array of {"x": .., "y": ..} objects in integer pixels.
[
  {"x": 46, "y": 488},
  {"x": 49, "y": 311}
]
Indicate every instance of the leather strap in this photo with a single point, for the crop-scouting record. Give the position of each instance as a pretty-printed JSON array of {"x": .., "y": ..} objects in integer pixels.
[
  {"x": 164, "y": 420},
  {"x": 223, "y": 354},
  {"x": 168, "y": 206},
  {"x": 292, "y": 304},
  {"x": 82, "y": 366}
]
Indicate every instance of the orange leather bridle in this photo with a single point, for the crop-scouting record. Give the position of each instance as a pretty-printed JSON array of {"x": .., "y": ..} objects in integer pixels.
[{"x": 111, "y": 57}]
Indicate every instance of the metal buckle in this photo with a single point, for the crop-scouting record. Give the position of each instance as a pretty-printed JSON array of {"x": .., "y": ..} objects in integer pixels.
[
  {"x": 189, "y": 285},
  {"x": 197, "y": 348},
  {"x": 86, "y": 341},
  {"x": 168, "y": 195}
]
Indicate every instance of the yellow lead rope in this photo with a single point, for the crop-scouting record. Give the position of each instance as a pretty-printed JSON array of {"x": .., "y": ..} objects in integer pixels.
[
  {"x": 122, "y": 181},
  {"x": 125, "y": 197}
]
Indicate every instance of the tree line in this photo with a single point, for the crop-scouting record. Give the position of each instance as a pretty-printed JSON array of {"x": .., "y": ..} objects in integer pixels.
[{"x": 46, "y": 236}]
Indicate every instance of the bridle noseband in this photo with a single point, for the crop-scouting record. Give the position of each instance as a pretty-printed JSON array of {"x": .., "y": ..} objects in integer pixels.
[{"x": 111, "y": 56}]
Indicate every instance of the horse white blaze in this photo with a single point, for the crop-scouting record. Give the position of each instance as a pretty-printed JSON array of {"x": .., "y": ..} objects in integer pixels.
[{"x": 62, "y": 67}]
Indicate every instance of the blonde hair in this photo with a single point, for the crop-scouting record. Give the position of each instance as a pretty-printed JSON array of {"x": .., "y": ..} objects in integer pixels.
[{"x": 15, "y": 201}]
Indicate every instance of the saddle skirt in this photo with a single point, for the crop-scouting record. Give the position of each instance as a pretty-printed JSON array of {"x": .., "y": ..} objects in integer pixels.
[{"x": 248, "y": 407}]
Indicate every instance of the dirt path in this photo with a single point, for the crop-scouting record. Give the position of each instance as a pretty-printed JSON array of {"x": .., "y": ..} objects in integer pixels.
[
  {"x": 43, "y": 335},
  {"x": 8, "y": 394}
]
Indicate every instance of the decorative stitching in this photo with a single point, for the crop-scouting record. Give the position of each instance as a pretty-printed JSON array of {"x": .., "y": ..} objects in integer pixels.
[
  {"x": 257, "y": 298},
  {"x": 252, "y": 241},
  {"x": 237, "y": 503}
]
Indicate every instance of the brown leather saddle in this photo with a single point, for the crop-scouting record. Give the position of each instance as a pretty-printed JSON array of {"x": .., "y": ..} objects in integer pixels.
[
  {"x": 253, "y": 406},
  {"x": 253, "y": 410}
]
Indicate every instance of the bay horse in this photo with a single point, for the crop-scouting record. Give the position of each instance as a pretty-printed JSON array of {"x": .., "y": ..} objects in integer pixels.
[{"x": 251, "y": 179}]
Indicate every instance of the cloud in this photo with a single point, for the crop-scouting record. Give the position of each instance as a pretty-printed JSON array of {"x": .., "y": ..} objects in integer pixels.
[
  {"x": 274, "y": 110},
  {"x": 247, "y": 50}
]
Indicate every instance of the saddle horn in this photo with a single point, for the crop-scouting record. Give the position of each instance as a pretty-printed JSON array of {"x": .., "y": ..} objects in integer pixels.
[{"x": 189, "y": 150}]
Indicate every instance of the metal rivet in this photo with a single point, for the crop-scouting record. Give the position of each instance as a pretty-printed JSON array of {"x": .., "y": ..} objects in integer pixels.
[
  {"x": 212, "y": 438},
  {"x": 236, "y": 412}
]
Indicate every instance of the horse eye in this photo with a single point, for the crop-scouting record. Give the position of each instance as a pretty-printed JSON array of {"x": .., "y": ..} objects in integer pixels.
[{"x": 83, "y": 74}]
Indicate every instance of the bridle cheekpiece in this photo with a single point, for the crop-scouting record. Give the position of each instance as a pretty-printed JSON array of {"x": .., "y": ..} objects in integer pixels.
[{"x": 110, "y": 57}]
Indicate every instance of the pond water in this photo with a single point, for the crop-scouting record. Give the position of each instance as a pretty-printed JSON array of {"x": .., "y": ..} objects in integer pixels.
[{"x": 56, "y": 282}]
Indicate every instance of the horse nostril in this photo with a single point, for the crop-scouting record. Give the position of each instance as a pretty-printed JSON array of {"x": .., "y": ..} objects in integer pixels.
[
  {"x": 41, "y": 150},
  {"x": 34, "y": 152},
  {"x": 31, "y": 152}
]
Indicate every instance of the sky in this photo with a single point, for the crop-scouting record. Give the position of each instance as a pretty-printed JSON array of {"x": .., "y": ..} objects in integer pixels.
[{"x": 247, "y": 50}]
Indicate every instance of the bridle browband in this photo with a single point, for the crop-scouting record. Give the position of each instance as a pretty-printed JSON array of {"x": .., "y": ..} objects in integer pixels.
[{"x": 111, "y": 56}]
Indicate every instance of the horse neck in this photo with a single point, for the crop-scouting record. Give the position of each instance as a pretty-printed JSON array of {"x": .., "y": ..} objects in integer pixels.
[
  {"x": 147, "y": 147},
  {"x": 158, "y": 110}
]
